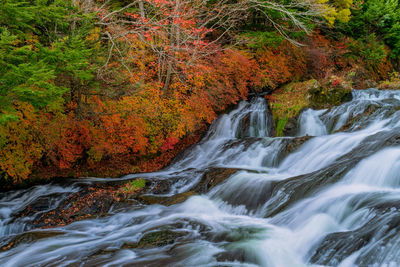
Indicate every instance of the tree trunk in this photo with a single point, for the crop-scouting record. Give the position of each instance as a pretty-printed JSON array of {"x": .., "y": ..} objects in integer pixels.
[
  {"x": 168, "y": 77},
  {"x": 141, "y": 7}
]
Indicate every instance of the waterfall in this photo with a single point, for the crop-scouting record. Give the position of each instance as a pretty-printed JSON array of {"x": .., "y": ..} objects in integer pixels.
[
  {"x": 329, "y": 196},
  {"x": 311, "y": 124}
]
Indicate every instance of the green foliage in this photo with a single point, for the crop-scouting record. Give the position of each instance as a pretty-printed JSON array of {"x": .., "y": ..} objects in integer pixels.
[
  {"x": 135, "y": 185},
  {"x": 371, "y": 50},
  {"x": 37, "y": 46},
  {"x": 71, "y": 56},
  {"x": 260, "y": 39},
  {"x": 392, "y": 38},
  {"x": 36, "y": 16},
  {"x": 378, "y": 17},
  {"x": 25, "y": 75}
]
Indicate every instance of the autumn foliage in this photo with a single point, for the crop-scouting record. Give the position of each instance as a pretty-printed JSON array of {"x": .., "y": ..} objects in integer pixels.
[
  {"x": 281, "y": 64},
  {"x": 126, "y": 131},
  {"x": 110, "y": 87}
]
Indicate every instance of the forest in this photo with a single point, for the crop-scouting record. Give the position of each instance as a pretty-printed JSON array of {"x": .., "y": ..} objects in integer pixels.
[{"x": 111, "y": 87}]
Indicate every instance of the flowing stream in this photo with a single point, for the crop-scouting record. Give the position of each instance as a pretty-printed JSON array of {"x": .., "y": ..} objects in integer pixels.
[{"x": 327, "y": 197}]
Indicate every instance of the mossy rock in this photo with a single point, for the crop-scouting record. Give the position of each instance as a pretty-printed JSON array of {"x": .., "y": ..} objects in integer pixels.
[
  {"x": 320, "y": 97},
  {"x": 167, "y": 201},
  {"x": 286, "y": 104},
  {"x": 291, "y": 127},
  {"x": 158, "y": 238}
]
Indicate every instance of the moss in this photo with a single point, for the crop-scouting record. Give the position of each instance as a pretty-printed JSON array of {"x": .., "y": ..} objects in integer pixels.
[
  {"x": 281, "y": 125},
  {"x": 327, "y": 97},
  {"x": 334, "y": 92},
  {"x": 158, "y": 238},
  {"x": 134, "y": 186},
  {"x": 288, "y": 101}
]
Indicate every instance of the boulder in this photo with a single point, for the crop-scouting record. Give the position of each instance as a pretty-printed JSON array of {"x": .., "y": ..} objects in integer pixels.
[
  {"x": 335, "y": 93},
  {"x": 238, "y": 255},
  {"x": 166, "y": 201},
  {"x": 158, "y": 238},
  {"x": 27, "y": 237},
  {"x": 296, "y": 143},
  {"x": 336, "y": 247},
  {"x": 212, "y": 178}
]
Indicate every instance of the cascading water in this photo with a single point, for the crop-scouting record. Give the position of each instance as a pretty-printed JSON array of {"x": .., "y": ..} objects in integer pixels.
[{"x": 329, "y": 200}]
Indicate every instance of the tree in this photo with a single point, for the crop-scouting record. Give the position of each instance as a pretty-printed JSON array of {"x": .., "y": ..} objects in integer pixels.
[
  {"x": 44, "y": 55},
  {"x": 174, "y": 31}
]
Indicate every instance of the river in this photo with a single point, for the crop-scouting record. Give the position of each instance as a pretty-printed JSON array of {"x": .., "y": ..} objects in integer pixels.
[{"x": 330, "y": 199}]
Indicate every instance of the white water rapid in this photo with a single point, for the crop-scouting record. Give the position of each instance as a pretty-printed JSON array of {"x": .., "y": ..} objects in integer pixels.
[{"x": 329, "y": 196}]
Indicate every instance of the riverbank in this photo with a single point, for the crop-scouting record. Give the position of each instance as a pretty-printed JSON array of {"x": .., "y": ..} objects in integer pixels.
[{"x": 157, "y": 129}]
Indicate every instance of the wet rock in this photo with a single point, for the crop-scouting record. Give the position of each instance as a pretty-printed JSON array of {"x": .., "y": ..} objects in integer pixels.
[
  {"x": 231, "y": 255},
  {"x": 336, "y": 247},
  {"x": 372, "y": 144},
  {"x": 290, "y": 145},
  {"x": 95, "y": 200},
  {"x": 159, "y": 186},
  {"x": 362, "y": 119},
  {"x": 158, "y": 238},
  {"x": 91, "y": 201},
  {"x": 200, "y": 227},
  {"x": 244, "y": 127},
  {"x": 41, "y": 204},
  {"x": 233, "y": 235},
  {"x": 28, "y": 237},
  {"x": 126, "y": 204},
  {"x": 251, "y": 196},
  {"x": 291, "y": 127},
  {"x": 167, "y": 201},
  {"x": 250, "y": 125},
  {"x": 246, "y": 142},
  {"x": 296, "y": 143},
  {"x": 286, "y": 192},
  {"x": 212, "y": 178}
]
